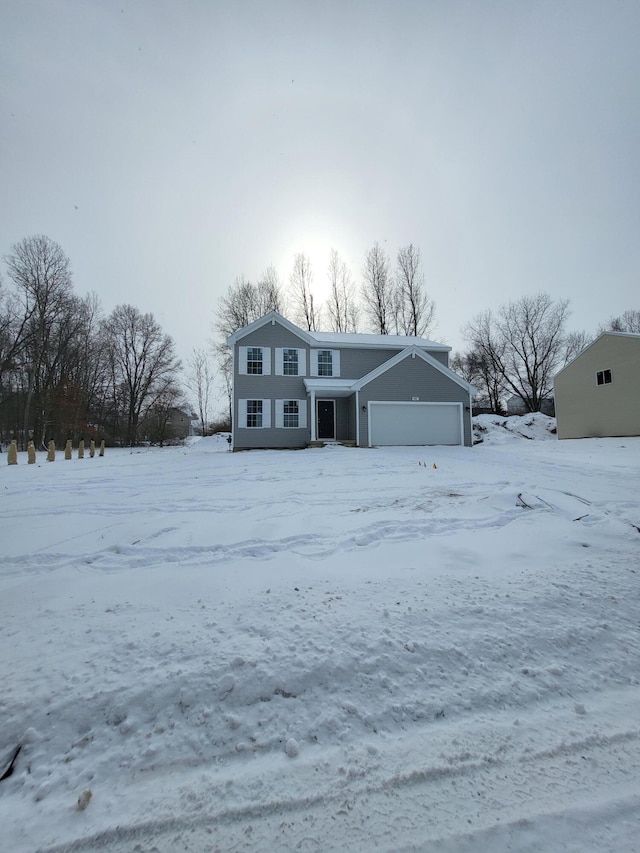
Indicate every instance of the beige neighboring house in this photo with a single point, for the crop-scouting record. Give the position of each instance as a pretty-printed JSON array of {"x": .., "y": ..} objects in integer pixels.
[{"x": 598, "y": 393}]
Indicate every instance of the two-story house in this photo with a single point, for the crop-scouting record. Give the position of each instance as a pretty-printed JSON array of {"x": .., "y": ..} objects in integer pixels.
[{"x": 292, "y": 388}]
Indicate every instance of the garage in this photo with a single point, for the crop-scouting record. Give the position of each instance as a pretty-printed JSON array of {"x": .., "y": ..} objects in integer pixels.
[{"x": 414, "y": 423}]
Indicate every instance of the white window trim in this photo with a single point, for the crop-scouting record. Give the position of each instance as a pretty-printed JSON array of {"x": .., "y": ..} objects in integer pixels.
[
  {"x": 242, "y": 414},
  {"x": 302, "y": 414},
  {"x": 604, "y": 381},
  {"x": 279, "y": 362},
  {"x": 266, "y": 361},
  {"x": 335, "y": 362}
]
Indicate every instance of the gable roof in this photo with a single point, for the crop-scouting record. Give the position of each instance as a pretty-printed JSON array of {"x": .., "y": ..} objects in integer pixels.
[
  {"x": 337, "y": 339},
  {"x": 269, "y": 317},
  {"x": 413, "y": 352},
  {"x": 612, "y": 334}
]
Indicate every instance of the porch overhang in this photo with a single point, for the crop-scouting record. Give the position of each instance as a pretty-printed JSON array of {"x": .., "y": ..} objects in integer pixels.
[{"x": 327, "y": 387}]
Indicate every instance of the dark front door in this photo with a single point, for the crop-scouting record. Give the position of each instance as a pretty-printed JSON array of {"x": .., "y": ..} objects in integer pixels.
[{"x": 326, "y": 419}]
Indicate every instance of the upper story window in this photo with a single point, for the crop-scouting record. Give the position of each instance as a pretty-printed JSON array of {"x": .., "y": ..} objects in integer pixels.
[
  {"x": 290, "y": 362},
  {"x": 325, "y": 362},
  {"x": 254, "y": 360},
  {"x": 603, "y": 377}
]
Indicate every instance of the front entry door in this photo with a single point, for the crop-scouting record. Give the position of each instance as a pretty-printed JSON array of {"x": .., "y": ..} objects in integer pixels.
[{"x": 326, "y": 419}]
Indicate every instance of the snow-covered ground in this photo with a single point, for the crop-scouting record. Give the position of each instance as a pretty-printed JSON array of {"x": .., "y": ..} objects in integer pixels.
[{"x": 325, "y": 650}]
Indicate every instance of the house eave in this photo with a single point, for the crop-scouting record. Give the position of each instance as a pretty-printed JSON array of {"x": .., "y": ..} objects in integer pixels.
[
  {"x": 270, "y": 317},
  {"x": 633, "y": 335}
]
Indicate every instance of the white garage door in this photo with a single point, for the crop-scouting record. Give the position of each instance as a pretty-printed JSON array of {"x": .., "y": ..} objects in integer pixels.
[{"x": 415, "y": 423}]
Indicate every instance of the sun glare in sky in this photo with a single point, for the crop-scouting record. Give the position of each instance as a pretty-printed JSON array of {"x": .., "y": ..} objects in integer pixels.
[{"x": 316, "y": 238}]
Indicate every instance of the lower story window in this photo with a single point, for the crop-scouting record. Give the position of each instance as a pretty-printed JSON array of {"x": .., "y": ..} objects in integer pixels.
[
  {"x": 291, "y": 415},
  {"x": 603, "y": 377},
  {"x": 254, "y": 413}
]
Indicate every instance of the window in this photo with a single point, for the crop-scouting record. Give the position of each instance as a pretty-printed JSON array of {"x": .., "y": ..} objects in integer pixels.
[
  {"x": 289, "y": 362},
  {"x": 254, "y": 413},
  {"x": 325, "y": 362},
  {"x": 254, "y": 360},
  {"x": 603, "y": 377},
  {"x": 290, "y": 414}
]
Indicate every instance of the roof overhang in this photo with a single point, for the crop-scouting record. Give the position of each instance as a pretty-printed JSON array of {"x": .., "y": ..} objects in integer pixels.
[{"x": 341, "y": 340}]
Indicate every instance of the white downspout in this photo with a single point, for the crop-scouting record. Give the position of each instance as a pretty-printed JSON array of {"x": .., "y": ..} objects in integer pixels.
[
  {"x": 357, "y": 419},
  {"x": 313, "y": 415}
]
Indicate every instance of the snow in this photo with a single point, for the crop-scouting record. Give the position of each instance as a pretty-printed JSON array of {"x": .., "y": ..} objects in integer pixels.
[
  {"x": 400, "y": 649},
  {"x": 360, "y": 339}
]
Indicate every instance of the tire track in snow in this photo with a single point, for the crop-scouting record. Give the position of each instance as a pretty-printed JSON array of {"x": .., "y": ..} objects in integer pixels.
[
  {"x": 426, "y": 802},
  {"x": 312, "y": 546}
]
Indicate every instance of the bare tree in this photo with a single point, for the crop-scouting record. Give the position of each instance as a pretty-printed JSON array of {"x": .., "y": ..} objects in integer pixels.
[
  {"x": 224, "y": 358},
  {"x": 305, "y": 307},
  {"x": 485, "y": 361},
  {"x": 377, "y": 290},
  {"x": 80, "y": 374},
  {"x": 42, "y": 274},
  {"x": 200, "y": 380},
  {"x": 243, "y": 303},
  {"x": 342, "y": 305},
  {"x": 574, "y": 343},
  {"x": 13, "y": 323},
  {"x": 628, "y": 322},
  {"x": 522, "y": 346},
  {"x": 533, "y": 329},
  {"x": 237, "y": 308},
  {"x": 269, "y": 293},
  {"x": 142, "y": 363},
  {"x": 156, "y": 421},
  {"x": 415, "y": 310}
]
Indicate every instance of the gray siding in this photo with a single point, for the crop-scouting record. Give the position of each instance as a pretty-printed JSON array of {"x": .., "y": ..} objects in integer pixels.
[
  {"x": 272, "y": 336},
  {"x": 245, "y": 439},
  {"x": 442, "y": 357},
  {"x": 354, "y": 364},
  {"x": 412, "y": 377},
  {"x": 343, "y": 407},
  {"x": 269, "y": 388}
]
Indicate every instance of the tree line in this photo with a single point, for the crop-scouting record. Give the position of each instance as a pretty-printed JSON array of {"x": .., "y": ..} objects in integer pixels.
[
  {"x": 515, "y": 350},
  {"x": 518, "y": 349},
  {"x": 391, "y": 299},
  {"x": 68, "y": 371}
]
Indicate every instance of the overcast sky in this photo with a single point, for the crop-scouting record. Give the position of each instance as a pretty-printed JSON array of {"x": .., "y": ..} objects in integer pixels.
[{"x": 170, "y": 147}]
